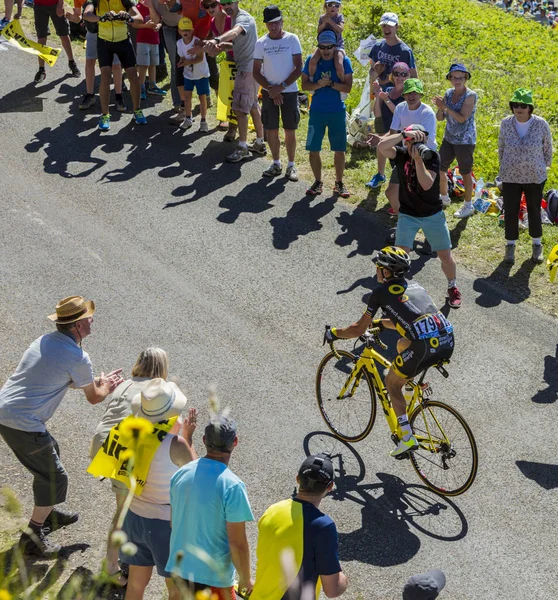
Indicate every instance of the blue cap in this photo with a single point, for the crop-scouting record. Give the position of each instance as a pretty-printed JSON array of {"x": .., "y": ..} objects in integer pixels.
[
  {"x": 458, "y": 67},
  {"x": 327, "y": 37}
]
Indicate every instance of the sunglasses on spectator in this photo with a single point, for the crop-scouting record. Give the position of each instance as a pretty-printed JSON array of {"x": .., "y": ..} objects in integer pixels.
[
  {"x": 212, "y": 5},
  {"x": 400, "y": 74},
  {"x": 452, "y": 77},
  {"x": 332, "y": 4},
  {"x": 519, "y": 105},
  {"x": 321, "y": 47}
]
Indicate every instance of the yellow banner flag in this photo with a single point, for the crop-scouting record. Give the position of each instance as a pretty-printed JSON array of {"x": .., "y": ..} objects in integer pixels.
[
  {"x": 15, "y": 36},
  {"x": 227, "y": 73}
]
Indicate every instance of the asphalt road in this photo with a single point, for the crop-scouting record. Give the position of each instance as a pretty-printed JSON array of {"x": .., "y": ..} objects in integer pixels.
[{"x": 235, "y": 276}]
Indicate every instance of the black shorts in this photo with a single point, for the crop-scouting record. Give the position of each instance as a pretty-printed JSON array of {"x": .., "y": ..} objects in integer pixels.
[
  {"x": 422, "y": 354},
  {"x": 124, "y": 50},
  {"x": 42, "y": 14},
  {"x": 290, "y": 115}
]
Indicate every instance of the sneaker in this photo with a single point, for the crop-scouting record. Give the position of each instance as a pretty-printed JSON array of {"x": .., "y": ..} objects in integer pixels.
[
  {"x": 104, "y": 123},
  {"x": 391, "y": 212},
  {"x": 186, "y": 123},
  {"x": 140, "y": 118},
  {"x": 239, "y": 154},
  {"x": 59, "y": 518},
  {"x": 315, "y": 189},
  {"x": 339, "y": 188},
  {"x": 537, "y": 256},
  {"x": 36, "y": 543},
  {"x": 404, "y": 447},
  {"x": 259, "y": 149},
  {"x": 454, "y": 297},
  {"x": 230, "y": 136},
  {"x": 177, "y": 116},
  {"x": 119, "y": 103},
  {"x": 87, "y": 101},
  {"x": 143, "y": 95},
  {"x": 155, "y": 90},
  {"x": 40, "y": 76},
  {"x": 204, "y": 127},
  {"x": 291, "y": 173},
  {"x": 274, "y": 170},
  {"x": 445, "y": 201},
  {"x": 74, "y": 69},
  {"x": 509, "y": 256},
  {"x": 3, "y": 23},
  {"x": 376, "y": 181},
  {"x": 464, "y": 212}
]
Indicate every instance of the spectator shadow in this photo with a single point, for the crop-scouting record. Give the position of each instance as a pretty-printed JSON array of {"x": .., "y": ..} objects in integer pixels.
[
  {"x": 550, "y": 394},
  {"x": 457, "y": 232},
  {"x": 27, "y": 98},
  {"x": 255, "y": 198},
  {"x": 499, "y": 286},
  {"x": 82, "y": 583},
  {"x": 545, "y": 475},
  {"x": 300, "y": 220},
  {"x": 389, "y": 509},
  {"x": 361, "y": 230}
]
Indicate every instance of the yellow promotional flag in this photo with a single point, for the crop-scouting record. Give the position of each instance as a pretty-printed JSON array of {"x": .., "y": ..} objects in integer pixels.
[
  {"x": 227, "y": 73},
  {"x": 111, "y": 460},
  {"x": 15, "y": 36}
]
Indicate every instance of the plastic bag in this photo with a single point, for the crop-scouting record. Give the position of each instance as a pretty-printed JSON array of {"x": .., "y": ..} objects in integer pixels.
[{"x": 362, "y": 53}]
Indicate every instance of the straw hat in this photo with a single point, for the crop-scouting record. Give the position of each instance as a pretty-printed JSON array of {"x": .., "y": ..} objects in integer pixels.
[
  {"x": 72, "y": 309},
  {"x": 160, "y": 400}
]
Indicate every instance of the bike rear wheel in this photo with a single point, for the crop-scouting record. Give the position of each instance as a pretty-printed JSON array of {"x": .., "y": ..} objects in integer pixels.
[
  {"x": 351, "y": 417},
  {"x": 447, "y": 457}
]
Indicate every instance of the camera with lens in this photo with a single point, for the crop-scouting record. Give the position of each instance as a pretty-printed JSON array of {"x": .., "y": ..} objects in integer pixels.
[{"x": 425, "y": 152}]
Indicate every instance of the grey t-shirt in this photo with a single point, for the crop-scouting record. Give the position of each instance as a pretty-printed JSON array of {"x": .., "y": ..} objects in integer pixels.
[
  {"x": 47, "y": 369},
  {"x": 244, "y": 44}
]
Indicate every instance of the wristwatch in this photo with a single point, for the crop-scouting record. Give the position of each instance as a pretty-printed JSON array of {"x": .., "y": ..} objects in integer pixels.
[{"x": 217, "y": 40}]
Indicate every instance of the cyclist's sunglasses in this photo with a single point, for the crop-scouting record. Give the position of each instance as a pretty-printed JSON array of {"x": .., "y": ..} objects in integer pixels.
[
  {"x": 212, "y": 5},
  {"x": 519, "y": 105},
  {"x": 321, "y": 47},
  {"x": 400, "y": 74}
]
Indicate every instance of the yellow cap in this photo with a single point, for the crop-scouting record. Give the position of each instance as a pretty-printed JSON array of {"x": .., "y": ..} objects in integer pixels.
[{"x": 185, "y": 24}]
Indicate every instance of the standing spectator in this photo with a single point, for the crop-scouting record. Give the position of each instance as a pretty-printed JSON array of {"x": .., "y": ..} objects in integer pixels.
[
  {"x": 425, "y": 586},
  {"x": 411, "y": 112},
  {"x": 196, "y": 73},
  {"x": 385, "y": 102},
  {"x": 277, "y": 66},
  {"x": 420, "y": 205},
  {"x": 525, "y": 153},
  {"x": 327, "y": 111},
  {"x": 297, "y": 528},
  {"x": 243, "y": 36},
  {"x": 458, "y": 107},
  {"x": 113, "y": 39},
  {"x": 30, "y": 397},
  {"x": 151, "y": 363},
  {"x": 147, "y": 48},
  {"x": 92, "y": 29},
  {"x": 9, "y": 4},
  {"x": 210, "y": 508},
  {"x": 147, "y": 522},
  {"x": 385, "y": 53},
  {"x": 43, "y": 10}
]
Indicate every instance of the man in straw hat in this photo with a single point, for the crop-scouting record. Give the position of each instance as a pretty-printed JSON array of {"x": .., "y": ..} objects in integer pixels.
[{"x": 52, "y": 363}]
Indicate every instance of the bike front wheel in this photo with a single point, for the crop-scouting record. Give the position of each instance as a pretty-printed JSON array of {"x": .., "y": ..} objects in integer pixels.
[
  {"x": 447, "y": 458},
  {"x": 346, "y": 397}
]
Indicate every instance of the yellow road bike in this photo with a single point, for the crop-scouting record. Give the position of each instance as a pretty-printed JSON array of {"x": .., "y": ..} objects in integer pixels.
[{"x": 346, "y": 387}]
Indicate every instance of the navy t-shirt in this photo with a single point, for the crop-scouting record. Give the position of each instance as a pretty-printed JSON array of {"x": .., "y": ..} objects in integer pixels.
[
  {"x": 389, "y": 55},
  {"x": 387, "y": 115},
  {"x": 327, "y": 100}
]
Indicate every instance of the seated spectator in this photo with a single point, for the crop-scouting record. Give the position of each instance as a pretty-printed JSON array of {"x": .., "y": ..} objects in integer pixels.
[{"x": 425, "y": 586}]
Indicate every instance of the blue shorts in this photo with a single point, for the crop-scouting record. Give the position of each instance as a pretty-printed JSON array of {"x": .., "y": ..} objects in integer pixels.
[
  {"x": 152, "y": 537},
  {"x": 201, "y": 86},
  {"x": 336, "y": 131},
  {"x": 435, "y": 230}
]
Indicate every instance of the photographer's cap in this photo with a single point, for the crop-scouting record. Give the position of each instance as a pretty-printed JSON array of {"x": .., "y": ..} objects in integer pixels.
[
  {"x": 425, "y": 586},
  {"x": 316, "y": 468},
  {"x": 416, "y": 127}
]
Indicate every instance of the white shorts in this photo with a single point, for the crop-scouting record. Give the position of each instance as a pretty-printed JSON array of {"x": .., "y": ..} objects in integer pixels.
[
  {"x": 147, "y": 54},
  {"x": 91, "y": 48}
]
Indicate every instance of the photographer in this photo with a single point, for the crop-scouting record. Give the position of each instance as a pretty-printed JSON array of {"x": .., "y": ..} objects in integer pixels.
[{"x": 418, "y": 169}]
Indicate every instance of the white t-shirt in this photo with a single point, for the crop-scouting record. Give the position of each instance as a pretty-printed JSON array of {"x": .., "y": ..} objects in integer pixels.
[
  {"x": 276, "y": 57},
  {"x": 197, "y": 70},
  {"x": 423, "y": 115},
  {"x": 522, "y": 128}
]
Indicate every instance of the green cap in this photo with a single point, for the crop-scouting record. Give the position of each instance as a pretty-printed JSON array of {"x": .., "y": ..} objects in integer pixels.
[
  {"x": 523, "y": 95},
  {"x": 227, "y": 1},
  {"x": 413, "y": 85}
]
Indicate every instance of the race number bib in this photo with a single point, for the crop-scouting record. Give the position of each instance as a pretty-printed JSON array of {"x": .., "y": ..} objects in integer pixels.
[{"x": 431, "y": 326}]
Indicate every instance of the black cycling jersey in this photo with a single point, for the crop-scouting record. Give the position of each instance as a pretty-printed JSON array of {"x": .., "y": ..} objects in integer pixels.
[{"x": 409, "y": 308}]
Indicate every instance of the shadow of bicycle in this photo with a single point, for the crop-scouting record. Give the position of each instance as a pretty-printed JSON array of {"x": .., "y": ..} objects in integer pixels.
[{"x": 391, "y": 508}]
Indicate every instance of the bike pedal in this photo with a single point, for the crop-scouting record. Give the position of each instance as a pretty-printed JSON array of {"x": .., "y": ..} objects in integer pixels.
[{"x": 407, "y": 455}]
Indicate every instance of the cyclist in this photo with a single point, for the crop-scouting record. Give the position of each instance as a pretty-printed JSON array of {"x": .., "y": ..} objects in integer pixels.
[{"x": 427, "y": 336}]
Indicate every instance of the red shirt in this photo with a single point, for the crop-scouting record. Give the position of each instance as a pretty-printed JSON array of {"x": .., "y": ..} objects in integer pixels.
[
  {"x": 47, "y": 2},
  {"x": 199, "y": 17},
  {"x": 146, "y": 35}
]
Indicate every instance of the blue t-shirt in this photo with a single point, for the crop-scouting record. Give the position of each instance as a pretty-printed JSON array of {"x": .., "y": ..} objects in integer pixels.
[
  {"x": 47, "y": 369},
  {"x": 389, "y": 55},
  {"x": 327, "y": 100},
  {"x": 309, "y": 535},
  {"x": 205, "y": 495}
]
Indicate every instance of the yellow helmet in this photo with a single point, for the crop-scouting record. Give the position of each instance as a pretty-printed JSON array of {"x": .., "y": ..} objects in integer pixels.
[
  {"x": 393, "y": 258},
  {"x": 552, "y": 263}
]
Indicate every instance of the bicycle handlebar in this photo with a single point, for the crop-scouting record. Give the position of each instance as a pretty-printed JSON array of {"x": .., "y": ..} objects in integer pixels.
[{"x": 372, "y": 335}]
